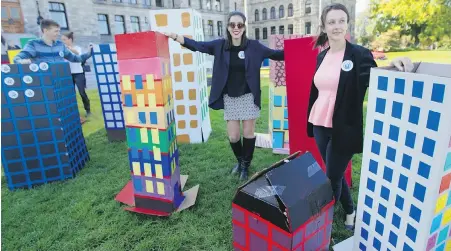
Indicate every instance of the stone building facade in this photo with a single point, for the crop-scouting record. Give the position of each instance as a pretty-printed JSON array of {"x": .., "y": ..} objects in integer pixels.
[{"x": 268, "y": 17}]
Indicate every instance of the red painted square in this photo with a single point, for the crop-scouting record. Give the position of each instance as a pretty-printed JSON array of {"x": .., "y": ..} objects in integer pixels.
[
  {"x": 444, "y": 185},
  {"x": 148, "y": 44},
  {"x": 159, "y": 67}
]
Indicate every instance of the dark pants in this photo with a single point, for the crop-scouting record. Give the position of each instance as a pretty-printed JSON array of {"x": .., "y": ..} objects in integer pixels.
[
  {"x": 336, "y": 164},
  {"x": 80, "y": 82}
]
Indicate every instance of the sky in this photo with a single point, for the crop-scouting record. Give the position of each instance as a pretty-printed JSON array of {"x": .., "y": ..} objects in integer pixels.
[{"x": 361, "y": 5}]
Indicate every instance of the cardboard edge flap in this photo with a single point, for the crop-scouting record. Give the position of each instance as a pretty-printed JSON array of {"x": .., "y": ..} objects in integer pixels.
[{"x": 190, "y": 198}]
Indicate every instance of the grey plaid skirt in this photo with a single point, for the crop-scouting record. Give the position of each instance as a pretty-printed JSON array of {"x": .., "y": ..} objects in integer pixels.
[{"x": 240, "y": 108}]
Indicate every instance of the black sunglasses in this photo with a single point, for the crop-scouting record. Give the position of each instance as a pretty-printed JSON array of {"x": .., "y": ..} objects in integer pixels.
[{"x": 239, "y": 25}]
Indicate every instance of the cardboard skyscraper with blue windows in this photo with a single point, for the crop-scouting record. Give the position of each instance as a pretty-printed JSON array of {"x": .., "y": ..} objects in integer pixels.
[
  {"x": 42, "y": 139},
  {"x": 108, "y": 83},
  {"x": 405, "y": 197}
]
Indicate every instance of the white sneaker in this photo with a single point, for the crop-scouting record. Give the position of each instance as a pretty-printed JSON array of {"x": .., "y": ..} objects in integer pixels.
[{"x": 350, "y": 219}]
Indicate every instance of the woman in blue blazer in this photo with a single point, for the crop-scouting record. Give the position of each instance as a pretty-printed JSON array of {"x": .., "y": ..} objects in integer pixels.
[{"x": 236, "y": 83}]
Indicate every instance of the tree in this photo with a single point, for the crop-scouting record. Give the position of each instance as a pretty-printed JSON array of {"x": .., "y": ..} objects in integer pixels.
[{"x": 417, "y": 18}]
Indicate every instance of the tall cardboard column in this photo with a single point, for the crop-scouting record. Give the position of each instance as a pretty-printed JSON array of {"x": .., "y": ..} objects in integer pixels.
[
  {"x": 188, "y": 74},
  {"x": 42, "y": 139},
  {"x": 405, "y": 195},
  {"x": 300, "y": 65},
  {"x": 278, "y": 109},
  {"x": 156, "y": 185},
  {"x": 108, "y": 83}
]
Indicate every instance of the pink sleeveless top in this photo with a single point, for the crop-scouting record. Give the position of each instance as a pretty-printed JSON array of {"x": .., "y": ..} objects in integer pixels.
[{"x": 326, "y": 80}]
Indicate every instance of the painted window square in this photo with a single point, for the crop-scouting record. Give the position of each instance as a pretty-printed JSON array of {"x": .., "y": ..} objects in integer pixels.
[
  {"x": 443, "y": 234},
  {"x": 378, "y": 127},
  {"x": 393, "y": 239},
  {"x": 406, "y": 161},
  {"x": 380, "y": 105},
  {"x": 139, "y": 82},
  {"x": 410, "y": 139},
  {"x": 382, "y": 210},
  {"x": 407, "y": 247},
  {"x": 375, "y": 147},
  {"x": 396, "y": 110},
  {"x": 388, "y": 174},
  {"x": 376, "y": 244},
  {"x": 370, "y": 184},
  {"x": 424, "y": 170},
  {"x": 385, "y": 193},
  {"x": 362, "y": 247},
  {"x": 414, "y": 115},
  {"x": 153, "y": 118},
  {"x": 278, "y": 101},
  {"x": 419, "y": 192},
  {"x": 364, "y": 234},
  {"x": 276, "y": 124},
  {"x": 285, "y": 125},
  {"x": 368, "y": 201},
  {"x": 382, "y": 83},
  {"x": 400, "y": 85},
  {"x": 440, "y": 248},
  {"x": 373, "y": 166},
  {"x": 399, "y": 202},
  {"x": 396, "y": 221},
  {"x": 285, "y": 113},
  {"x": 379, "y": 228},
  {"x": 142, "y": 117},
  {"x": 433, "y": 121},
  {"x": 417, "y": 89},
  {"x": 402, "y": 183},
  {"x": 391, "y": 154},
  {"x": 394, "y": 133},
  {"x": 128, "y": 100},
  {"x": 366, "y": 218},
  {"x": 438, "y": 92},
  {"x": 428, "y": 147},
  {"x": 415, "y": 213},
  {"x": 411, "y": 232}
]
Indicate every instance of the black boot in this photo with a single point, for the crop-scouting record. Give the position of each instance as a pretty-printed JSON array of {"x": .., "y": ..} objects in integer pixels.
[
  {"x": 238, "y": 151},
  {"x": 248, "y": 154}
]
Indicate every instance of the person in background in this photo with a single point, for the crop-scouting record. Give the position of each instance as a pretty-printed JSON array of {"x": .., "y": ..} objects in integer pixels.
[
  {"x": 236, "y": 84},
  {"x": 48, "y": 48},
  {"x": 77, "y": 71},
  {"x": 335, "y": 111}
]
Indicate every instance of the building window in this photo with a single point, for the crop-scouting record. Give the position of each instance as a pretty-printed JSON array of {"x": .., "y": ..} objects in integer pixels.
[
  {"x": 290, "y": 29},
  {"x": 133, "y": 1},
  {"x": 257, "y": 33},
  {"x": 273, "y": 13},
  {"x": 104, "y": 27},
  {"x": 159, "y": 3},
  {"x": 119, "y": 24},
  {"x": 208, "y": 4},
  {"x": 218, "y": 5},
  {"x": 189, "y": 3},
  {"x": 200, "y": 4},
  {"x": 308, "y": 7},
  {"x": 265, "y": 33},
  {"x": 308, "y": 28},
  {"x": 135, "y": 24},
  {"x": 146, "y": 2},
  {"x": 281, "y": 11},
  {"x": 257, "y": 16},
  {"x": 220, "y": 28},
  {"x": 264, "y": 14},
  {"x": 281, "y": 30},
  {"x": 235, "y": 5},
  {"x": 210, "y": 27},
  {"x": 58, "y": 13},
  {"x": 117, "y": 1},
  {"x": 290, "y": 10},
  {"x": 273, "y": 30}
]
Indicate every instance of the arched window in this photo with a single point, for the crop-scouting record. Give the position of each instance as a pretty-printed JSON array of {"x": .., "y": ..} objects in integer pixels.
[
  {"x": 290, "y": 10},
  {"x": 273, "y": 13},
  {"x": 308, "y": 7},
  {"x": 257, "y": 16},
  {"x": 281, "y": 11},
  {"x": 264, "y": 14}
]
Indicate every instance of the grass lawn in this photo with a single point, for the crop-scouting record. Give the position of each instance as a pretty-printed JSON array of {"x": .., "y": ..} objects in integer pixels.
[
  {"x": 417, "y": 56},
  {"x": 81, "y": 214}
]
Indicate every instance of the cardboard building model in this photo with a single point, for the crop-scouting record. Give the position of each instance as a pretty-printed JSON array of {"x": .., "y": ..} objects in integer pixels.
[
  {"x": 146, "y": 84},
  {"x": 42, "y": 139},
  {"x": 189, "y": 73},
  {"x": 107, "y": 74},
  {"x": 405, "y": 197},
  {"x": 288, "y": 206}
]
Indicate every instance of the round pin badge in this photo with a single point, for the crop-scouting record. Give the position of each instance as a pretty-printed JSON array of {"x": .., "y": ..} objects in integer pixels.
[
  {"x": 29, "y": 93},
  {"x": 241, "y": 54},
  {"x": 44, "y": 66},
  {"x": 61, "y": 54},
  {"x": 347, "y": 65},
  {"x": 9, "y": 81},
  {"x": 6, "y": 68},
  {"x": 13, "y": 94},
  {"x": 34, "y": 67},
  {"x": 27, "y": 79}
]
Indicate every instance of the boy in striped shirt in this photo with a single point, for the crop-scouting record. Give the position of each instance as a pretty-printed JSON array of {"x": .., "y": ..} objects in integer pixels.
[{"x": 48, "y": 48}]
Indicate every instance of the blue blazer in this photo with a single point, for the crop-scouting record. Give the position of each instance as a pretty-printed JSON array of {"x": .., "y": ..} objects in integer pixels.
[{"x": 254, "y": 52}]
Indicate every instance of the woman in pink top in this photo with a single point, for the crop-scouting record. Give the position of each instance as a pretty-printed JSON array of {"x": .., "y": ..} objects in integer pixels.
[{"x": 335, "y": 113}]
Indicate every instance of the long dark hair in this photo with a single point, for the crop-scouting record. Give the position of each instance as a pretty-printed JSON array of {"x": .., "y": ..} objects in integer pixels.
[
  {"x": 228, "y": 42},
  {"x": 69, "y": 35},
  {"x": 322, "y": 37}
]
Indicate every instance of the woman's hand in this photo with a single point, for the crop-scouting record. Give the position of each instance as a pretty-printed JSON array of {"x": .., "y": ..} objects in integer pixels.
[
  {"x": 402, "y": 64},
  {"x": 175, "y": 37}
]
